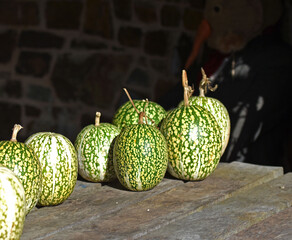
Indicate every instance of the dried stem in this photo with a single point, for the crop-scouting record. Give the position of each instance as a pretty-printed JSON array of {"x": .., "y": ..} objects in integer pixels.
[
  {"x": 126, "y": 91},
  {"x": 205, "y": 84},
  {"x": 15, "y": 130},
  {"x": 97, "y": 118},
  {"x": 188, "y": 90},
  {"x": 141, "y": 114}
]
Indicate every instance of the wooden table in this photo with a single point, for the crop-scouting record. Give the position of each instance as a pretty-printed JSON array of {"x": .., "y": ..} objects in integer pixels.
[{"x": 237, "y": 201}]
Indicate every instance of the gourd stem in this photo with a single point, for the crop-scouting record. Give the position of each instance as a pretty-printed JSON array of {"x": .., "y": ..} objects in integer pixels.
[
  {"x": 141, "y": 116},
  {"x": 205, "y": 84},
  {"x": 97, "y": 118},
  {"x": 202, "y": 92},
  {"x": 186, "y": 88},
  {"x": 126, "y": 91},
  {"x": 16, "y": 129}
]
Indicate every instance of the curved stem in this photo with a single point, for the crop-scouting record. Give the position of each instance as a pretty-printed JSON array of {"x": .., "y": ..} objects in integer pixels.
[
  {"x": 205, "y": 84},
  {"x": 186, "y": 87},
  {"x": 142, "y": 115},
  {"x": 97, "y": 118},
  {"x": 126, "y": 91},
  {"x": 16, "y": 129}
]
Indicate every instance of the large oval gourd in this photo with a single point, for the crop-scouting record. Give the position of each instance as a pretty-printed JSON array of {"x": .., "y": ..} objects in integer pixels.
[
  {"x": 215, "y": 107},
  {"x": 140, "y": 155},
  {"x": 194, "y": 142},
  {"x": 127, "y": 115},
  {"x": 94, "y": 146},
  {"x": 59, "y": 166},
  {"x": 24, "y": 163},
  {"x": 12, "y": 205}
]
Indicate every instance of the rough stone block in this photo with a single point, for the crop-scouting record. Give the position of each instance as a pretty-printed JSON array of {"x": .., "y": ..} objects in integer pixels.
[
  {"x": 86, "y": 44},
  {"x": 130, "y": 36},
  {"x": 198, "y": 4},
  {"x": 139, "y": 79},
  {"x": 39, "y": 93},
  {"x": 33, "y": 63},
  {"x": 145, "y": 12},
  {"x": 162, "y": 87},
  {"x": 63, "y": 14},
  {"x": 98, "y": 18},
  {"x": 170, "y": 16},
  {"x": 192, "y": 18},
  {"x": 10, "y": 115},
  {"x": 91, "y": 79},
  {"x": 32, "y": 111},
  {"x": 34, "y": 39},
  {"x": 29, "y": 13},
  {"x": 123, "y": 9},
  {"x": 10, "y": 88},
  {"x": 18, "y": 13},
  {"x": 156, "y": 43},
  {"x": 7, "y": 44}
]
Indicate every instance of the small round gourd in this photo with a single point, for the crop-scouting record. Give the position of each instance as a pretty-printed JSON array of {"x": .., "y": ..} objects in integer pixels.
[
  {"x": 24, "y": 163},
  {"x": 12, "y": 205},
  {"x": 194, "y": 140},
  {"x": 140, "y": 156},
  {"x": 215, "y": 107},
  {"x": 94, "y": 146},
  {"x": 59, "y": 166},
  {"x": 127, "y": 115}
]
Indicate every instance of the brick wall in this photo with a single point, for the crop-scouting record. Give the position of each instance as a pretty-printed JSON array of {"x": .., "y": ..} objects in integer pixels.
[{"x": 63, "y": 60}]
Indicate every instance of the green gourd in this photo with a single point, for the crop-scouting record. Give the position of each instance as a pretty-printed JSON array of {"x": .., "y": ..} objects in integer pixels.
[
  {"x": 94, "y": 146},
  {"x": 140, "y": 155},
  {"x": 215, "y": 107},
  {"x": 58, "y": 159},
  {"x": 193, "y": 138},
  {"x": 25, "y": 164},
  {"x": 12, "y": 202},
  {"x": 126, "y": 114}
]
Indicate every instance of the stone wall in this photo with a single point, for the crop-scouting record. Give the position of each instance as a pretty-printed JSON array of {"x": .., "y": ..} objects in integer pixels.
[{"x": 63, "y": 60}]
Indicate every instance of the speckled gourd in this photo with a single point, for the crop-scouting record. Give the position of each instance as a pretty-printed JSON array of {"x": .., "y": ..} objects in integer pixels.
[
  {"x": 59, "y": 166},
  {"x": 194, "y": 140},
  {"x": 127, "y": 115},
  {"x": 22, "y": 160},
  {"x": 215, "y": 107},
  {"x": 12, "y": 205},
  {"x": 140, "y": 156},
  {"x": 94, "y": 146}
]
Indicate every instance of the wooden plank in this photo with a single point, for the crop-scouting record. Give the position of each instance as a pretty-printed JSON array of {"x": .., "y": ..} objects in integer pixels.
[
  {"x": 88, "y": 201},
  {"x": 110, "y": 212},
  {"x": 278, "y": 226},
  {"x": 239, "y": 217}
]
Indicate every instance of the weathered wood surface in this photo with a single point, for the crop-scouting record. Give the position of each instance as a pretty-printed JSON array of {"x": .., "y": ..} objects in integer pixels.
[{"x": 238, "y": 201}]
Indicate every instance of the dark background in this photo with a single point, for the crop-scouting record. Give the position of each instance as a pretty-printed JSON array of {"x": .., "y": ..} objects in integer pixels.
[{"x": 63, "y": 60}]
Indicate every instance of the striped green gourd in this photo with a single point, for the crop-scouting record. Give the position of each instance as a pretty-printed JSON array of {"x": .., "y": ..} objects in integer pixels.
[
  {"x": 58, "y": 159},
  {"x": 126, "y": 114},
  {"x": 12, "y": 202},
  {"x": 215, "y": 107},
  {"x": 24, "y": 163},
  {"x": 194, "y": 140},
  {"x": 140, "y": 156},
  {"x": 94, "y": 146}
]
